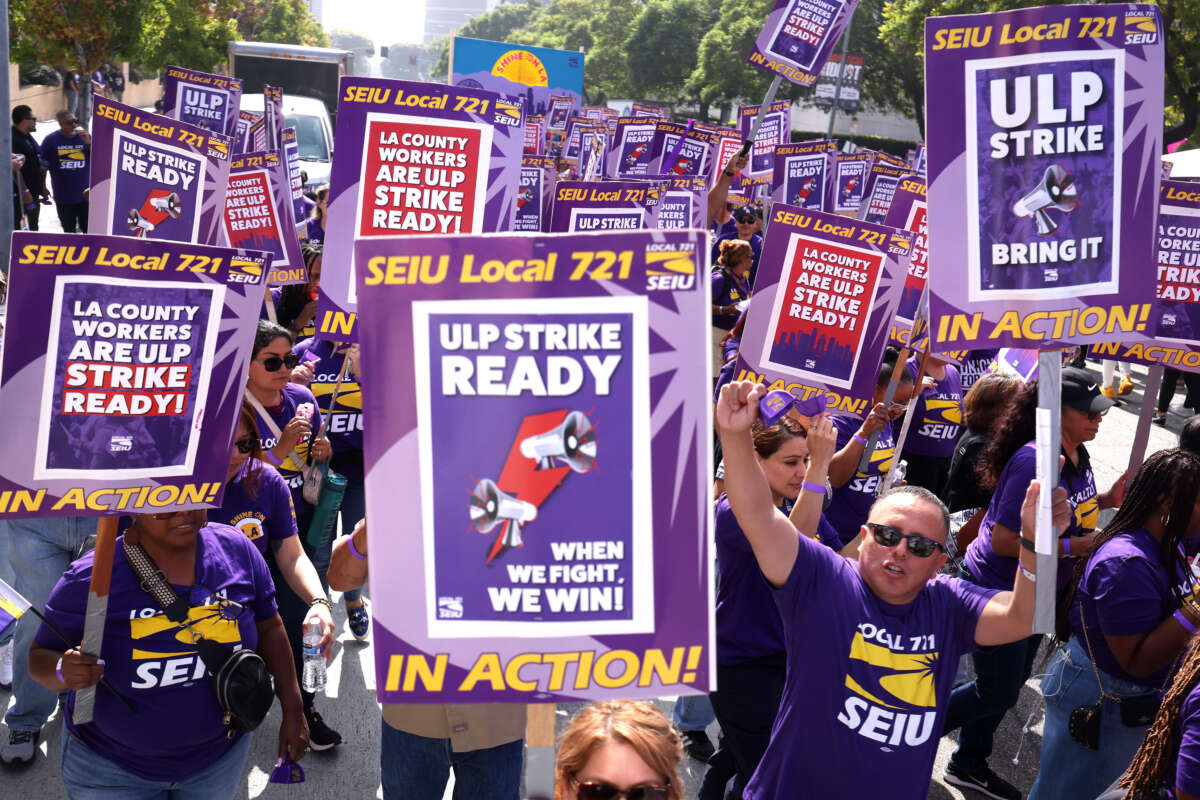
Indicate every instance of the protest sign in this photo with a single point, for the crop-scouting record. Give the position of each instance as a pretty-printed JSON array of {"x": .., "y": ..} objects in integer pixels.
[
  {"x": 590, "y": 206},
  {"x": 918, "y": 159},
  {"x": 881, "y": 186},
  {"x": 671, "y": 156},
  {"x": 909, "y": 212},
  {"x": 533, "y": 200},
  {"x": 273, "y": 117},
  {"x": 513, "y": 426},
  {"x": 413, "y": 158},
  {"x": 558, "y": 115},
  {"x": 291, "y": 159},
  {"x": 533, "y": 73},
  {"x": 575, "y": 128},
  {"x": 1032, "y": 127},
  {"x": 850, "y": 173},
  {"x": 824, "y": 299},
  {"x": 726, "y": 143},
  {"x": 251, "y": 132},
  {"x": 593, "y": 147},
  {"x": 826, "y": 85},
  {"x": 800, "y": 173},
  {"x": 124, "y": 391},
  {"x": 154, "y": 177},
  {"x": 535, "y": 138},
  {"x": 776, "y": 129},
  {"x": 643, "y": 110},
  {"x": 799, "y": 36},
  {"x": 207, "y": 101},
  {"x": 684, "y": 203},
  {"x": 259, "y": 216},
  {"x": 632, "y": 148}
]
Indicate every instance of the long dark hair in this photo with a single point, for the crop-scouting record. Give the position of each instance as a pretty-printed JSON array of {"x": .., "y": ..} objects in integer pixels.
[
  {"x": 252, "y": 472},
  {"x": 294, "y": 297},
  {"x": 1168, "y": 475},
  {"x": 1014, "y": 428}
]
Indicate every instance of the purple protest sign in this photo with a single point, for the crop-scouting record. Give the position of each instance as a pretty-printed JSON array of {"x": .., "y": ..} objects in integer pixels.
[
  {"x": 154, "y": 177},
  {"x": 653, "y": 112},
  {"x": 593, "y": 147},
  {"x": 726, "y": 143},
  {"x": 909, "y": 212},
  {"x": 291, "y": 160},
  {"x": 845, "y": 190},
  {"x": 632, "y": 148},
  {"x": 1044, "y": 173},
  {"x": 670, "y": 156},
  {"x": 124, "y": 391},
  {"x": 201, "y": 99},
  {"x": 881, "y": 186},
  {"x": 776, "y": 129},
  {"x": 919, "y": 160},
  {"x": 558, "y": 116},
  {"x": 683, "y": 204},
  {"x": 590, "y": 206},
  {"x": 537, "y": 192},
  {"x": 554, "y": 503},
  {"x": 247, "y": 131},
  {"x": 273, "y": 116},
  {"x": 575, "y": 127},
  {"x": 414, "y": 158},
  {"x": 258, "y": 215},
  {"x": 800, "y": 173},
  {"x": 798, "y": 37},
  {"x": 824, "y": 299},
  {"x": 535, "y": 137}
]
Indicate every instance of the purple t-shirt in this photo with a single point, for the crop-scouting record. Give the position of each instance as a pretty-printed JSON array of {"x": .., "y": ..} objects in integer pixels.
[
  {"x": 852, "y": 502},
  {"x": 756, "y": 243},
  {"x": 1124, "y": 591},
  {"x": 1187, "y": 764},
  {"x": 267, "y": 517},
  {"x": 988, "y": 567},
  {"x": 177, "y": 730},
  {"x": 937, "y": 416},
  {"x": 316, "y": 232},
  {"x": 293, "y": 395},
  {"x": 343, "y": 424},
  {"x": 728, "y": 289},
  {"x": 867, "y": 682},
  {"x": 67, "y": 158}
]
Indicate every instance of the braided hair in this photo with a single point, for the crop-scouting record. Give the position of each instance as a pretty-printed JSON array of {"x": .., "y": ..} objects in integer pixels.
[
  {"x": 1147, "y": 771},
  {"x": 1168, "y": 477}
]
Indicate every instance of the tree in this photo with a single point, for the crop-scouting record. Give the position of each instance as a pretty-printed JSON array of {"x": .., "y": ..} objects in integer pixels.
[
  {"x": 662, "y": 48},
  {"x": 496, "y": 25},
  {"x": 722, "y": 75}
]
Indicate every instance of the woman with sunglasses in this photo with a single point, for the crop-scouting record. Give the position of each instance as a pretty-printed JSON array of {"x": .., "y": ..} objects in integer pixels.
[
  {"x": 1129, "y": 613},
  {"x": 1009, "y": 465},
  {"x": 619, "y": 750},
  {"x": 174, "y": 742}
]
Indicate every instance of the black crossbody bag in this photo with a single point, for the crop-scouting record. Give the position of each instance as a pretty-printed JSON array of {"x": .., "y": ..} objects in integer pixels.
[{"x": 241, "y": 680}]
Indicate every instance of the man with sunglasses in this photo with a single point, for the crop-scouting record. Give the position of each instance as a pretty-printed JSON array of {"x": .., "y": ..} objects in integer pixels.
[
  {"x": 67, "y": 152},
  {"x": 745, "y": 221},
  {"x": 872, "y": 645},
  {"x": 32, "y": 171}
]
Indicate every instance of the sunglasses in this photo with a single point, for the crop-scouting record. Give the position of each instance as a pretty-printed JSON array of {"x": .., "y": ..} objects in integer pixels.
[
  {"x": 598, "y": 790},
  {"x": 246, "y": 446},
  {"x": 920, "y": 546},
  {"x": 743, "y": 220},
  {"x": 273, "y": 363}
]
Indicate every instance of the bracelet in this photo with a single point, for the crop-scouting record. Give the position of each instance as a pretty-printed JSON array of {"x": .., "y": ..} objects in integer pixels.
[
  {"x": 324, "y": 601},
  {"x": 354, "y": 550},
  {"x": 1066, "y": 545},
  {"x": 859, "y": 439},
  {"x": 816, "y": 488},
  {"x": 728, "y": 174},
  {"x": 1031, "y": 576},
  {"x": 1182, "y": 619},
  {"x": 1027, "y": 543},
  {"x": 58, "y": 670}
]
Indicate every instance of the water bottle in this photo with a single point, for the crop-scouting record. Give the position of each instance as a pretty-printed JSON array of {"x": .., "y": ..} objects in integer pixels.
[{"x": 313, "y": 677}]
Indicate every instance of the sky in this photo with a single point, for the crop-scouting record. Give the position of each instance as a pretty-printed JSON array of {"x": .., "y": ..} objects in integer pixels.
[{"x": 385, "y": 21}]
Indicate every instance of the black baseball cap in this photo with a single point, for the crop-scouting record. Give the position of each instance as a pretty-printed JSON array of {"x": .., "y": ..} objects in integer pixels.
[
  {"x": 745, "y": 213},
  {"x": 1082, "y": 393}
]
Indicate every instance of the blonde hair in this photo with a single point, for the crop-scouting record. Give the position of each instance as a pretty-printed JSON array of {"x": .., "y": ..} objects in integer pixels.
[
  {"x": 637, "y": 723},
  {"x": 733, "y": 250}
]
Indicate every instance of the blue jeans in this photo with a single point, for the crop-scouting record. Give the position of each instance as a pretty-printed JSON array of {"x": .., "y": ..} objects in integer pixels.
[
  {"x": 40, "y": 550},
  {"x": 693, "y": 712},
  {"x": 89, "y": 776},
  {"x": 354, "y": 508},
  {"x": 1068, "y": 768},
  {"x": 417, "y": 768}
]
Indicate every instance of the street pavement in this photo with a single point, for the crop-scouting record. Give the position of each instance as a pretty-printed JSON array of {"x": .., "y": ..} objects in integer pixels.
[{"x": 352, "y": 770}]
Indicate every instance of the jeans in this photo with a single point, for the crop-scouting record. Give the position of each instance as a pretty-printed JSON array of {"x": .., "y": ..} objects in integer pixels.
[
  {"x": 1070, "y": 770},
  {"x": 72, "y": 99},
  {"x": 292, "y": 608},
  {"x": 89, "y": 776},
  {"x": 693, "y": 712},
  {"x": 40, "y": 550},
  {"x": 746, "y": 706},
  {"x": 73, "y": 216},
  {"x": 354, "y": 508},
  {"x": 417, "y": 768}
]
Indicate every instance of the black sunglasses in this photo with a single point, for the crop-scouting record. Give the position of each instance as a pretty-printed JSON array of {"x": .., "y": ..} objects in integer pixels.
[
  {"x": 273, "y": 363},
  {"x": 246, "y": 446},
  {"x": 597, "y": 790},
  {"x": 743, "y": 220},
  {"x": 920, "y": 546}
]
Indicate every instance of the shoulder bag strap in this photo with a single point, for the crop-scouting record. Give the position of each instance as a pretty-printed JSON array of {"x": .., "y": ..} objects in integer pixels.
[
  {"x": 154, "y": 582},
  {"x": 297, "y": 459}
]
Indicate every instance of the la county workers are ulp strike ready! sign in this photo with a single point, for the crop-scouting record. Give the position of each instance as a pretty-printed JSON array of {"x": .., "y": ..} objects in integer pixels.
[
  {"x": 1044, "y": 143},
  {"x": 537, "y": 464}
]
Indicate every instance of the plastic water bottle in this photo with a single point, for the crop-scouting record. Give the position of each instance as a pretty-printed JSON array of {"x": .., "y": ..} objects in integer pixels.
[{"x": 313, "y": 676}]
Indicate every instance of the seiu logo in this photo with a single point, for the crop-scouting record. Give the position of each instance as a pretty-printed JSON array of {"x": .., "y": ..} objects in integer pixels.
[{"x": 892, "y": 687}]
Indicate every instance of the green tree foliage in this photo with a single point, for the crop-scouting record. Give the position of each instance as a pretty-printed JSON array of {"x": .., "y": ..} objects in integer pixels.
[
  {"x": 722, "y": 76},
  {"x": 498, "y": 25},
  {"x": 663, "y": 45}
]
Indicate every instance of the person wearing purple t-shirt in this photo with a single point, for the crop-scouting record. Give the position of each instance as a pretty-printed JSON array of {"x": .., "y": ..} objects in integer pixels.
[
  {"x": 1009, "y": 459},
  {"x": 745, "y": 221},
  {"x": 296, "y": 304},
  {"x": 67, "y": 153},
  {"x": 315, "y": 225},
  {"x": 937, "y": 419},
  {"x": 1132, "y": 611},
  {"x": 175, "y": 742},
  {"x": 730, "y": 287},
  {"x": 872, "y": 644}
]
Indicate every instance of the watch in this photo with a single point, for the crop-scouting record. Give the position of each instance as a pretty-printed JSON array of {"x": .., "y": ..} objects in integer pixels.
[
  {"x": 729, "y": 174},
  {"x": 1027, "y": 543}
]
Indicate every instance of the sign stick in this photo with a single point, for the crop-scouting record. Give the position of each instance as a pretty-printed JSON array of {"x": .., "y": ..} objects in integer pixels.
[
  {"x": 762, "y": 112},
  {"x": 97, "y": 608},
  {"x": 1049, "y": 444},
  {"x": 539, "y": 750},
  {"x": 103, "y": 681},
  {"x": 837, "y": 87},
  {"x": 1142, "y": 436},
  {"x": 908, "y": 415},
  {"x": 270, "y": 302}
]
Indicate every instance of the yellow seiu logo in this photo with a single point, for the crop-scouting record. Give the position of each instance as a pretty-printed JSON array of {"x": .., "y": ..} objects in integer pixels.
[
  {"x": 891, "y": 687},
  {"x": 158, "y": 666},
  {"x": 670, "y": 269}
]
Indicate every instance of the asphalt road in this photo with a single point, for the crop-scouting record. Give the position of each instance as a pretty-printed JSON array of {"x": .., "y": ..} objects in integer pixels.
[{"x": 352, "y": 770}]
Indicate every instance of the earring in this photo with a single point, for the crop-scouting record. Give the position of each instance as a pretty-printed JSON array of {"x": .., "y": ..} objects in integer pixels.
[{"x": 1165, "y": 519}]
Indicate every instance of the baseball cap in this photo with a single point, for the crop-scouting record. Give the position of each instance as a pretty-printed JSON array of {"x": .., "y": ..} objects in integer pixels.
[
  {"x": 1082, "y": 393},
  {"x": 745, "y": 213}
]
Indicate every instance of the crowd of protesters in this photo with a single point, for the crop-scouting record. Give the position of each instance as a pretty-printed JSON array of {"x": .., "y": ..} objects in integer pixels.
[{"x": 856, "y": 624}]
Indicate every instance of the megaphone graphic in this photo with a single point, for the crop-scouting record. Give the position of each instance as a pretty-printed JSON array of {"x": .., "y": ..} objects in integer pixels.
[
  {"x": 573, "y": 442},
  {"x": 169, "y": 204},
  {"x": 491, "y": 507},
  {"x": 136, "y": 223},
  {"x": 1056, "y": 190}
]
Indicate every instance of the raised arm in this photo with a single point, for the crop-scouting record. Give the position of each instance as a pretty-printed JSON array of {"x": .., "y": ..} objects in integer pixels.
[
  {"x": 845, "y": 461},
  {"x": 720, "y": 191},
  {"x": 822, "y": 441},
  {"x": 771, "y": 535}
]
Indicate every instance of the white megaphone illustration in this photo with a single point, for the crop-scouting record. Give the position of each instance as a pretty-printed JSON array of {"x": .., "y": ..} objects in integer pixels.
[
  {"x": 137, "y": 223},
  {"x": 491, "y": 507},
  {"x": 1056, "y": 190},
  {"x": 169, "y": 204},
  {"x": 573, "y": 442}
]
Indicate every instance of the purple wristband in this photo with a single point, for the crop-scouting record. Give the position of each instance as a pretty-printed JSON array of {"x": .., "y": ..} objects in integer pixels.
[
  {"x": 58, "y": 671},
  {"x": 1067, "y": 546},
  {"x": 817, "y": 488},
  {"x": 1184, "y": 621},
  {"x": 354, "y": 551},
  {"x": 859, "y": 439}
]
